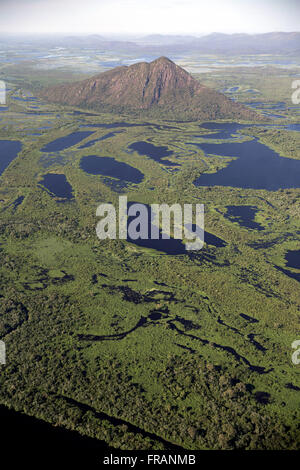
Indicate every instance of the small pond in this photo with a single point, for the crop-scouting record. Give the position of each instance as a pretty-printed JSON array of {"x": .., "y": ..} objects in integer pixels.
[
  {"x": 169, "y": 246},
  {"x": 57, "y": 184},
  {"x": 65, "y": 142},
  {"x": 108, "y": 166},
  {"x": 244, "y": 216},
  {"x": 157, "y": 153},
  {"x": 9, "y": 150},
  {"x": 293, "y": 259}
]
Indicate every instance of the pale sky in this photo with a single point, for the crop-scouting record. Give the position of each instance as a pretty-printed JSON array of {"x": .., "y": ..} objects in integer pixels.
[{"x": 148, "y": 16}]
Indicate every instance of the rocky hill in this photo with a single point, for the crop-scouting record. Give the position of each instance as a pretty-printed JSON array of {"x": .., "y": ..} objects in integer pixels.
[{"x": 158, "y": 89}]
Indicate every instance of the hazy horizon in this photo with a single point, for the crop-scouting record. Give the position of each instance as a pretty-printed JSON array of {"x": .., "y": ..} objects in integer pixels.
[
  {"x": 140, "y": 17},
  {"x": 137, "y": 35}
]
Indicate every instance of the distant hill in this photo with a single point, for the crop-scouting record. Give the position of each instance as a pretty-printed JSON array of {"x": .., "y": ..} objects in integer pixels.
[
  {"x": 158, "y": 89},
  {"x": 95, "y": 41},
  {"x": 168, "y": 44},
  {"x": 165, "y": 39},
  {"x": 268, "y": 43}
]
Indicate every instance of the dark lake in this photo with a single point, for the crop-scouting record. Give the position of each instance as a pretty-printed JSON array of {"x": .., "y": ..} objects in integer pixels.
[
  {"x": 90, "y": 143},
  {"x": 289, "y": 273},
  {"x": 58, "y": 185},
  {"x": 174, "y": 246},
  {"x": 243, "y": 215},
  {"x": 157, "y": 153},
  {"x": 169, "y": 246},
  {"x": 109, "y": 135},
  {"x": 256, "y": 166},
  {"x": 213, "y": 240},
  {"x": 65, "y": 142},
  {"x": 17, "y": 202},
  {"x": 224, "y": 130},
  {"x": 108, "y": 166},
  {"x": 293, "y": 259},
  {"x": 292, "y": 127},
  {"x": 78, "y": 113},
  {"x": 9, "y": 150}
]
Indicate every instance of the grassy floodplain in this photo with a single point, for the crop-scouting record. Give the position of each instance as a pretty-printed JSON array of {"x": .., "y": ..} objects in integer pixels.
[{"x": 190, "y": 350}]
